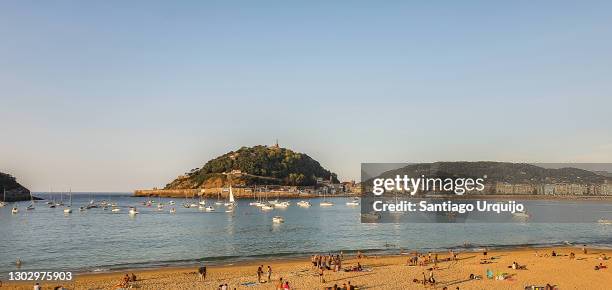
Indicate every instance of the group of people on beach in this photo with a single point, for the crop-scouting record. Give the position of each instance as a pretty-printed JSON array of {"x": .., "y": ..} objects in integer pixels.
[
  {"x": 126, "y": 281},
  {"x": 260, "y": 273},
  {"x": 327, "y": 262},
  {"x": 345, "y": 286},
  {"x": 331, "y": 262},
  {"x": 418, "y": 259}
]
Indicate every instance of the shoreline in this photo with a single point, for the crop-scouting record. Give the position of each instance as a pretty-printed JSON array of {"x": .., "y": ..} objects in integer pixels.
[
  {"x": 388, "y": 271},
  {"x": 224, "y": 261}
]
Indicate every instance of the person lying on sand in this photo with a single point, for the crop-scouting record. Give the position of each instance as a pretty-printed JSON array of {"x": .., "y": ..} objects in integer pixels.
[
  {"x": 600, "y": 267},
  {"x": 516, "y": 266}
]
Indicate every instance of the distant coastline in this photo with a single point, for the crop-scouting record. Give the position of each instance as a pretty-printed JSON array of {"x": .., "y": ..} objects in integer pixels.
[{"x": 239, "y": 193}]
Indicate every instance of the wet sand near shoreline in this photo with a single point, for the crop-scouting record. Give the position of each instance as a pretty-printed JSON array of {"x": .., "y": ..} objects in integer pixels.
[{"x": 381, "y": 272}]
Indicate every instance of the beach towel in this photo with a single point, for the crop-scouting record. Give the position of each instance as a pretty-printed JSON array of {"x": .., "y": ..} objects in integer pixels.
[
  {"x": 489, "y": 274},
  {"x": 248, "y": 284}
]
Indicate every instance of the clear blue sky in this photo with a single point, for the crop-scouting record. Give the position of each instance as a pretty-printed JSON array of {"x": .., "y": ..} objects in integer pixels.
[{"x": 118, "y": 95}]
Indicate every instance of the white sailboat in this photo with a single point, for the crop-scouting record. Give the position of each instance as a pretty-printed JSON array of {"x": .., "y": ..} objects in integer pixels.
[
  {"x": 278, "y": 220},
  {"x": 69, "y": 208},
  {"x": 31, "y": 206},
  {"x": 231, "y": 200},
  {"x": 219, "y": 201},
  {"x": 61, "y": 202},
  {"x": 3, "y": 202},
  {"x": 160, "y": 205},
  {"x": 325, "y": 202}
]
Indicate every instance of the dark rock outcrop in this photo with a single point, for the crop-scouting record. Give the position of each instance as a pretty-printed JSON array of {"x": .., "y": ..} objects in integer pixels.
[{"x": 14, "y": 190}]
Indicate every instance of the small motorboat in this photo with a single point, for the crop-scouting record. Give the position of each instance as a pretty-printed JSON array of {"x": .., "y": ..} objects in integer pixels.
[
  {"x": 30, "y": 207},
  {"x": 68, "y": 210},
  {"x": 52, "y": 205},
  {"x": 267, "y": 207},
  {"x": 133, "y": 211},
  {"x": 284, "y": 204},
  {"x": 521, "y": 215},
  {"x": 193, "y": 205},
  {"x": 604, "y": 222},
  {"x": 354, "y": 202},
  {"x": 326, "y": 203},
  {"x": 278, "y": 220},
  {"x": 171, "y": 202},
  {"x": 173, "y": 210},
  {"x": 304, "y": 203},
  {"x": 115, "y": 209},
  {"x": 82, "y": 208},
  {"x": 209, "y": 208},
  {"x": 14, "y": 210}
]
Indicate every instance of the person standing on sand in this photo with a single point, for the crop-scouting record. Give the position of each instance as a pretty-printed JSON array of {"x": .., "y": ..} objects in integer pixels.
[
  {"x": 269, "y": 273},
  {"x": 202, "y": 272},
  {"x": 37, "y": 286},
  {"x": 259, "y": 272}
]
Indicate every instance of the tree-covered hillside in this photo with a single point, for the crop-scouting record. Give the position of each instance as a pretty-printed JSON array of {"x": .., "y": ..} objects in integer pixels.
[{"x": 257, "y": 165}]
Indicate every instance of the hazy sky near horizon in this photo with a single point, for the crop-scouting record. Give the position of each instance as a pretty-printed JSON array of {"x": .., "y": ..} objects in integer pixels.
[{"x": 118, "y": 95}]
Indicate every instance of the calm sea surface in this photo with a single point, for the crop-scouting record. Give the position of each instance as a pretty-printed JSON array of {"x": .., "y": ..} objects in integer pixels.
[{"x": 98, "y": 240}]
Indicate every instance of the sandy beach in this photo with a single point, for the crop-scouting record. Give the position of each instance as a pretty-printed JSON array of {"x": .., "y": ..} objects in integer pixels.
[{"x": 381, "y": 272}]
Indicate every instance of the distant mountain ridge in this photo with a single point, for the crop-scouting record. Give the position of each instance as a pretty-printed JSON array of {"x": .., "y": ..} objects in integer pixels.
[
  {"x": 501, "y": 172},
  {"x": 257, "y": 165},
  {"x": 14, "y": 190}
]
